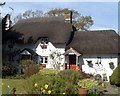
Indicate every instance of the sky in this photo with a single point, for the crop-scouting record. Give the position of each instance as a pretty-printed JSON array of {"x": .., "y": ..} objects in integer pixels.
[{"x": 104, "y": 14}]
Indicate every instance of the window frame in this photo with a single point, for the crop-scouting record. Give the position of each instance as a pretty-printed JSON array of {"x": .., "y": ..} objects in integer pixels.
[{"x": 44, "y": 59}]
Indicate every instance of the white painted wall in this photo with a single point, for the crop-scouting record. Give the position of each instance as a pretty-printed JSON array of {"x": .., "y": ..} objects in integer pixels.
[
  {"x": 47, "y": 52},
  {"x": 101, "y": 69},
  {"x": 41, "y": 52}
]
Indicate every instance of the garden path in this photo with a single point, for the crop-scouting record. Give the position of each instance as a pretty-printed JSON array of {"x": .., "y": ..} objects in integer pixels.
[{"x": 111, "y": 90}]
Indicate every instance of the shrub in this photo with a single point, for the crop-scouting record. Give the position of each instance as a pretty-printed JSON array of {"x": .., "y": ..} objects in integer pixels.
[
  {"x": 95, "y": 92},
  {"x": 98, "y": 77},
  {"x": 56, "y": 85},
  {"x": 8, "y": 69},
  {"x": 29, "y": 67},
  {"x": 49, "y": 71},
  {"x": 70, "y": 76},
  {"x": 30, "y": 70},
  {"x": 115, "y": 77},
  {"x": 87, "y": 83},
  {"x": 86, "y": 75}
]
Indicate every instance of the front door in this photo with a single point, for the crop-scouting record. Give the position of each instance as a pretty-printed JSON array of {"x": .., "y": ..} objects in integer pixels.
[{"x": 72, "y": 62}]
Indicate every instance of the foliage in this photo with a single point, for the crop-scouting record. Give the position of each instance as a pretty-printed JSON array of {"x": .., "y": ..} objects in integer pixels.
[
  {"x": 86, "y": 75},
  {"x": 115, "y": 77},
  {"x": 8, "y": 69},
  {"x": 29, "y": 14},
  {"x": 55, "y": 85},
  {"x": 94, "y": 92},
  {"x": 29, "y": 67},
  {"x": 26, "y": 62},
  {"x": 49, "y": 71},
  {"x": 98, "y": 77},
  {"x": 85, "y": 22},
  {"x": 70, "y": 75},
  {"x": 80, "y": 22},
  {"x": 56, "y": 57},
  {"x": 87, "y": 83},
  {"x": 58, "y": 84}
]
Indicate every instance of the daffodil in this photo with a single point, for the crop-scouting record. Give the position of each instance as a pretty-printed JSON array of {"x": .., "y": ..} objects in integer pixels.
[
  {"x": 46, "y": 86},
  {"x": 43, "y": 91},
  {"x": 64, "y": 93},
  {"x": 35, "y": 84},
  {"x": 103, "y": 85},
  {"x": 8, "y": 86},
  {"x": 49, "y": 92}
]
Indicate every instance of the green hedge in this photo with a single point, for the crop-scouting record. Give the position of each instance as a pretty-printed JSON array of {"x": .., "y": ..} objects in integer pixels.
[{"x": 115, "y": 77}]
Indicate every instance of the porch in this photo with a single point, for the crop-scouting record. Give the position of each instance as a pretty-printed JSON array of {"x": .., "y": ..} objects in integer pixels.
[{"x": 72, "y": 60}]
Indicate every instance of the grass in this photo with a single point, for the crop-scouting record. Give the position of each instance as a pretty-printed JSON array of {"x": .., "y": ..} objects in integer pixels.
[{"x": 9, "y": 84}]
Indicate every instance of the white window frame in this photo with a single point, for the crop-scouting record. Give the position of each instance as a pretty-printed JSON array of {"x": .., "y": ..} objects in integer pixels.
[
  {"x": 44, "y": 41},
  {"x": 45, "y": 58}
]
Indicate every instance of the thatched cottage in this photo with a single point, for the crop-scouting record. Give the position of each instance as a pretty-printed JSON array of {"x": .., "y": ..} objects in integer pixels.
[{"x": 49, "y": 40}]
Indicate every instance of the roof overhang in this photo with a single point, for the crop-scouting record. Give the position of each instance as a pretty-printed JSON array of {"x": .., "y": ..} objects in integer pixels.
[{"x": 71, "y": 51}]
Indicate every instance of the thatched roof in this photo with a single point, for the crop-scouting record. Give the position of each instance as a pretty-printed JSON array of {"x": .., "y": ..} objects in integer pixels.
[
  {"x": 95, "y": 42},
  {"x": 30, "y": 30}
]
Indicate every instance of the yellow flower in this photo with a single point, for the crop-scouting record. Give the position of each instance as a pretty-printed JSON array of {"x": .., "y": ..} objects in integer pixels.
[
  {"x": 2, "y": 83},
  {"x": 64, "y": 93},
  {"x": 49, "y": 92},
  {"x": 35, "y": 84},
  {"x": 43, "y": 91},
  {"x": 46, "y": 86},
  {"x": 103, "y": 85}
]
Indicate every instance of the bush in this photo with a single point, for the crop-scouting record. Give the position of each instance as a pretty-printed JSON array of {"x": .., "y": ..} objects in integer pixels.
[
  {"x": 87, "y": 83},
  {"x": 70, "y": 76},
  {"x": 86, "y": 75},
  {"x": 57, "y": 85},
  {"x": 8, "y": 69},
  {"x": 115, "y": 77},
  {"x": 49, "y": 71},
  {"x": 29, "y": 67}
]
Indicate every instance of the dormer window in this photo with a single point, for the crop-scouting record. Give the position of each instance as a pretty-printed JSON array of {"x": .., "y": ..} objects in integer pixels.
[
  {"x": 44, "y": 40},
  {"x": 44, "y": 43}
]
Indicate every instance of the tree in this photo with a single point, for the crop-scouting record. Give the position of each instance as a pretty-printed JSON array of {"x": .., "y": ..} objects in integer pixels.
[
  {"x": 84, "y": 23},
  {"x": 80, "y": 22},
  {"x": 56, "y": 57},
  {"x": 29, "y": 14}
]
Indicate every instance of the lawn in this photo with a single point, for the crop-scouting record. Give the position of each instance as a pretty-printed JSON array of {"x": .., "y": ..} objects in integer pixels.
[{"x": 9, "y": 84}]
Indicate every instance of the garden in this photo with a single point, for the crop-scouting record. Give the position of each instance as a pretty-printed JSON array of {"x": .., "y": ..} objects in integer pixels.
[{"x": 52, "y": 81}]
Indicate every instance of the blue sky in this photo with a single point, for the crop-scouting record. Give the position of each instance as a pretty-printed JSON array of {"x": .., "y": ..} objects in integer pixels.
[{"x": 104, "y": 14}]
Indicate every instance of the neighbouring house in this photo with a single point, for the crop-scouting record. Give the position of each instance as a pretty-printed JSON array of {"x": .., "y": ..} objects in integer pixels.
[{"x": 43, "y": 39}]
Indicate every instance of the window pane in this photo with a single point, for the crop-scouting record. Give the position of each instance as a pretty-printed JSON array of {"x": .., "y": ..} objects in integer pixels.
[
  {"x": 46, "y": 59},
  {"x": 41, "y": 59}
]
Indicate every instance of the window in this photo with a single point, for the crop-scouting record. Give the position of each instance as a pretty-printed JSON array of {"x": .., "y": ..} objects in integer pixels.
[
  {"x": 44, "y": 40},
  {"x": 44, "y": 60},
  {"x": 26, "y": 57}
]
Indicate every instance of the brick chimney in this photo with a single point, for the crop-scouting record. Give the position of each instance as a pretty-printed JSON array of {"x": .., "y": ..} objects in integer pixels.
[
  {"x": 7, "y": 22},
  {"x": 68, "y": 16}
]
